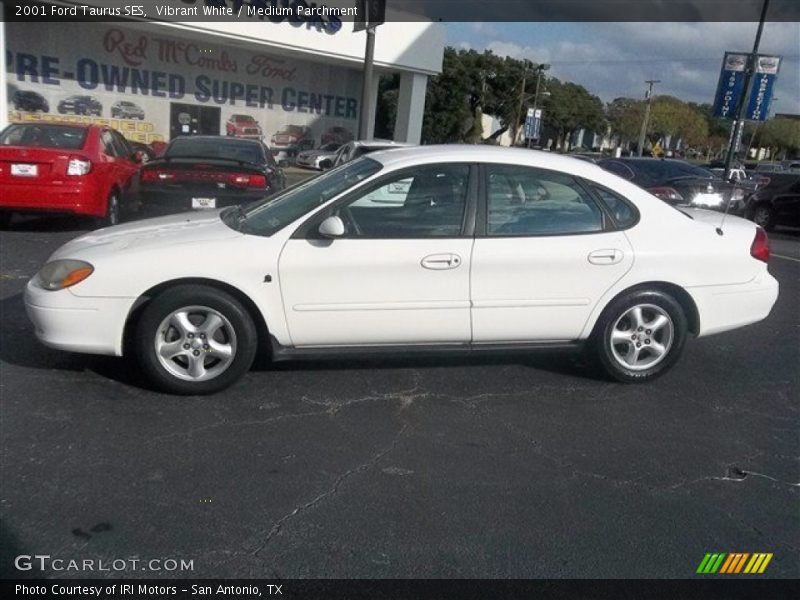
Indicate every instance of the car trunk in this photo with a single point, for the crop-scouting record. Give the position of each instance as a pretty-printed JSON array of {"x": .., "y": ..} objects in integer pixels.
[
  {"x": 197, "y": 176},
  {"x": 22, "y": 165},
  {"x": 699, "y": 191}
]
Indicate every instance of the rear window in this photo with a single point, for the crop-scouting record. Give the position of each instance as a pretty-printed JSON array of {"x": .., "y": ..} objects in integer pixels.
[
  {"x": 44, "y": 136},
  {"x": 222, "y": 148}
]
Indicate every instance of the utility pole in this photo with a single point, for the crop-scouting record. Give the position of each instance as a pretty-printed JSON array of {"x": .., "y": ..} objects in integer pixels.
[
  {"x": 649, "y": 96},
  {"x": 539, "y": 70},
  {"x": 745, "y": 99},
  {"x": 525, "y": 67},
  {"x": 369, "y": 54},
  {"x": 373, "y": 13}
]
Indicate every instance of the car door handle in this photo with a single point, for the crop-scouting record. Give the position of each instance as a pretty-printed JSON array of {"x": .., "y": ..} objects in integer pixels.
[
  {"x": 607, "y": 256},
  {"x": 441, "y": 261}
]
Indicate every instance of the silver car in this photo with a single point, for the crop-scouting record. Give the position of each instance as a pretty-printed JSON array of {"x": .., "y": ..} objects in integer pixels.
[{"x": 320, "y": 158}]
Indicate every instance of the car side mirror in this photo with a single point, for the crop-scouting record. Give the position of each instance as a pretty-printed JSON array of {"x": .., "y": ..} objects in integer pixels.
[{"x": 332, "y": 227}]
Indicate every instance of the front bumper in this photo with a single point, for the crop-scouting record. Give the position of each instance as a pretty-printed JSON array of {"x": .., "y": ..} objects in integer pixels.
[
  {"x": 65, "y": 321},
  {"x": 309, "y": 163},
  {"x": 725, "y": 307}
]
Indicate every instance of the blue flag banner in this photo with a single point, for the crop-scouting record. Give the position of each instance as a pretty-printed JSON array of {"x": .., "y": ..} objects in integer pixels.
[
  {"x": 763, "y": 84},
  {"x": 730, "y": 88}
]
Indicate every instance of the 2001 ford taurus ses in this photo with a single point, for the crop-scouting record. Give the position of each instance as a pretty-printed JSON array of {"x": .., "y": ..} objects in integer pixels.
[{"x": 448, "y": 247}]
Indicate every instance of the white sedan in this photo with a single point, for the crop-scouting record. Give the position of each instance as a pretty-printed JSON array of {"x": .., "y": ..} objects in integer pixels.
[{"x": 459, "y": 248}]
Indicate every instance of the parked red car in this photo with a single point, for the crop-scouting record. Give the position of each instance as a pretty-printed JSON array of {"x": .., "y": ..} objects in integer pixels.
[
  {"x": 243, "y": 126},
  {"x": 65, "y": 168},
  {"x": 294, "y": 137}
]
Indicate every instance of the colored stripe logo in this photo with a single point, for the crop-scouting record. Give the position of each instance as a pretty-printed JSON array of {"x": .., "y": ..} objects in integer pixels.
[{"x": 734, "y": 563}]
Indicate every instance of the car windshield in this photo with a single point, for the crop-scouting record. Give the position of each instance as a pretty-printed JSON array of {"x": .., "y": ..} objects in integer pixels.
[
  {"x": 219, "y": 148},
  {"x": 44, "y": 136},
  {"x": 268, "y": 216},
  {"x": 330, "y": 147}
]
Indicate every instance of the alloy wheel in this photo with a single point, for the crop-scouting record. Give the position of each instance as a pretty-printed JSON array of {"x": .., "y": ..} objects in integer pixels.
[
  {"x": 195, "y": 343},
  {"x": 642, "y": 337}
]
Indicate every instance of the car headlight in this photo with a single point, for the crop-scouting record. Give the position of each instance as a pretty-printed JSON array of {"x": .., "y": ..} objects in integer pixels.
[{"x": 63, "y": 273}]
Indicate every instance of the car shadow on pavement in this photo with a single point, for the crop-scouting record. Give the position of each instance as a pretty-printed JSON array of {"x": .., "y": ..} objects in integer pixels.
[
  {"x": 570, "y": 363},
  {"x": 19, "y": 346},
  {"x": 50, "y": 223}
]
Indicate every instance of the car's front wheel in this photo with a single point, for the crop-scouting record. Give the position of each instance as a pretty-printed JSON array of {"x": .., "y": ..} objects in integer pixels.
[
  {"x": 194, "y": 339},
  {"x": 640, "y": 336}
]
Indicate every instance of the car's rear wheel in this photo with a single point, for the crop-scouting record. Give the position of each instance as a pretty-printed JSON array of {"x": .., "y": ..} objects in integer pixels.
[
  {"x": 113, "y": 211},
  {"x": 640, "y": 336},
  {"x": 193, "y": 339},
  {"x": 764, "y": 217}
]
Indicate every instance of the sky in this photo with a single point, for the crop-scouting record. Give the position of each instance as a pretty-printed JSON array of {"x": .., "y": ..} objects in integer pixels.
[{"x": 614, "y": 59}]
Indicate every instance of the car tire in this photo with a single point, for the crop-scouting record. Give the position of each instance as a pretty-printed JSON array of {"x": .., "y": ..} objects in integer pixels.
[
  {"x": 113, "y": 211},
  {"x": 640, "y": 336},
  {"x": 325, "y": 165},
  {"x": 764, "y": 217},
  {"x": 5, "y": 219},
  {"x": 175, "y": 321}
]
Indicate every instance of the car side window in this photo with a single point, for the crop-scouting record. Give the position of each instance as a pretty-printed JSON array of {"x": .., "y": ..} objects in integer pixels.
[
  {"x": 525, "y": 201},
  {"x": 623, "y": 213},
  {"x": 428, "y": 202},
  {"x": 108, "y": 143},
  {"x": 121, "y": 145}
]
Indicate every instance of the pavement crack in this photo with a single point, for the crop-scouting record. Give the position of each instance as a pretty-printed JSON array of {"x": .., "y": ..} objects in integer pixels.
[
  {"x": 211, "y": 426},
  {"x": 331, "y": 491}
]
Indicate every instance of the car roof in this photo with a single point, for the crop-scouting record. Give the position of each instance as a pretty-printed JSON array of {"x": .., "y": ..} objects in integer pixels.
[
  {"x": 408, "y": 154},
  {"x": 382, "y": 143},
  {"x": 60, "y": 124}
]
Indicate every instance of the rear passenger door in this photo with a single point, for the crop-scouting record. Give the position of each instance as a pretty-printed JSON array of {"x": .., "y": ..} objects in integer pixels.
[{"x": 546, "y": 250}]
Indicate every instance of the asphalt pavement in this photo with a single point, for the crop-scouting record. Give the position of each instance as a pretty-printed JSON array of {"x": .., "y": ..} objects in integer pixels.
[{"x": 463, "y": 467}]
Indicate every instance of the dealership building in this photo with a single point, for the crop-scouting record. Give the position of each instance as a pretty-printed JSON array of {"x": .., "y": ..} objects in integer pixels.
[{"x": 250, "y": 76}]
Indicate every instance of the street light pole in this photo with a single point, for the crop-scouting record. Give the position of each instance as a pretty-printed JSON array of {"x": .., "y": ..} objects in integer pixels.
[
  {"x": 748, "y": 77},
  {"x": 525, "y": 67},
  {"x": 363, "y": 121},
  {"x": 539, "y": 70},
  {"x": 643, "y": 133}
]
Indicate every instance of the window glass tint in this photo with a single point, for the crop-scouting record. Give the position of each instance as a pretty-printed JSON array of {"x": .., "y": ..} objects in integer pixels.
[
  {"x": 121, "y": 144},
  {"x": 238, "y": 150},
  {"x": 528, "y": 201},
  {"x": 429, "y": 202},
  {"x": 44, "y": 136},
  {"x": 623, "y": 213},
  {"x": 617, "y": 168},
  {"x": 108, "y": 143},
  {"x": 268, "y": 216}
]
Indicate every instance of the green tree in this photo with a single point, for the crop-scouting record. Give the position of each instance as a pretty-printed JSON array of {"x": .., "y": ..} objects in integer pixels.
[
  {"x": 780, "y": 134},
  {"x": 625, "y": 117}
]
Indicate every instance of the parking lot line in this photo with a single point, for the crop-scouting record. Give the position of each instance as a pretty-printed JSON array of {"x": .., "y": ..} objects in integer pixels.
[{"x": 786, "y": 257}]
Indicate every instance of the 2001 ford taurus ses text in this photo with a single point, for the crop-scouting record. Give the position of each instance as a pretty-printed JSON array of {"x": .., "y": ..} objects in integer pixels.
[{"x": 436, "y": 248}]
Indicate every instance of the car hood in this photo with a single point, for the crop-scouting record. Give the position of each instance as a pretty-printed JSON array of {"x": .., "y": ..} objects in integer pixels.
[{"x": 162, "y": 232}]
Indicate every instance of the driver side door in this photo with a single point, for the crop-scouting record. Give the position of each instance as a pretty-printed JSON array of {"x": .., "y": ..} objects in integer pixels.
[{"x": 400, "y": 273}]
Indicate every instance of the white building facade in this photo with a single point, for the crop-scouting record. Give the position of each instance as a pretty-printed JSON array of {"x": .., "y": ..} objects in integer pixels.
[{"x": 156, "y": 80}]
